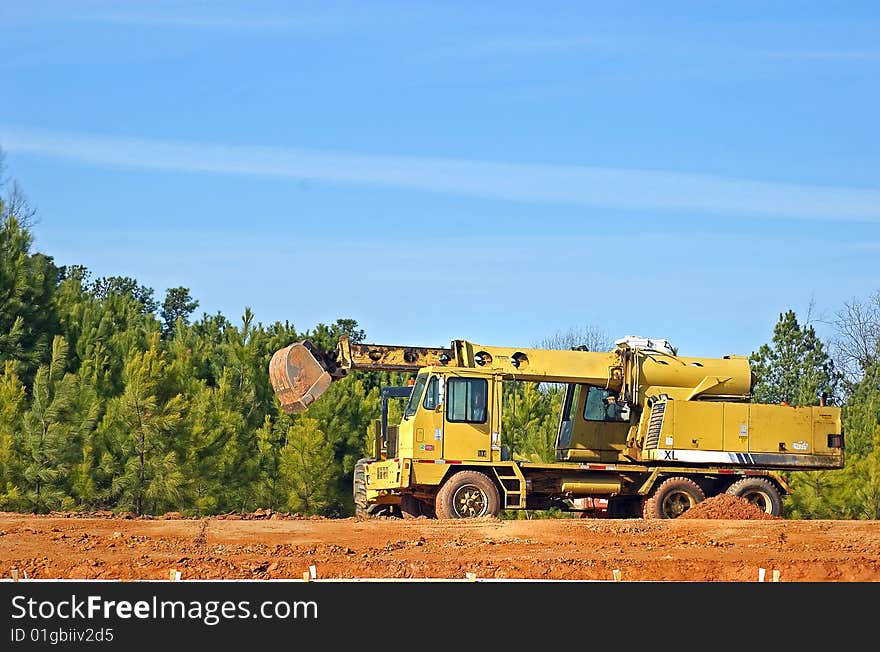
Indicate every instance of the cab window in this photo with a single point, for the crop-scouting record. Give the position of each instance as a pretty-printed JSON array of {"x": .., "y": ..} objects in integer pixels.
[
  {"x": 601, "y": 405},
  {"x": 416, "y": 395},
  {"x": 466, "y": 400},
  {"x": 569, "y": 412},
  {"x": 432, "y": 395},
  {"x": 572, "y": 398}
]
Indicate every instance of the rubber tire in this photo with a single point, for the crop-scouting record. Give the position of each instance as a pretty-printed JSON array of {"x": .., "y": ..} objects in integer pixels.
[
  {"x": 655, "y": 506},
  {"x": 445, "y": 502},
  {"x": 761, "y": 492},
  {"x": 362, "y": 508},
  {"x": 359, "y": 488}
]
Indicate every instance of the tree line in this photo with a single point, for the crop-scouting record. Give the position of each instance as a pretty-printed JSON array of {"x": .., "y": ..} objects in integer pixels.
[{"x": 112, "y": 398}]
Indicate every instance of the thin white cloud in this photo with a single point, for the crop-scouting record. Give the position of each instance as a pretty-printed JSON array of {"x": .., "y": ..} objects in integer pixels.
[
  {"x": 210, "y": 14},
  {"x": 197, "y": 20},
  {"x": 818, "y": 54},
  {"x": 634, "y": 189},
  {"x": 635, "y": 45}
]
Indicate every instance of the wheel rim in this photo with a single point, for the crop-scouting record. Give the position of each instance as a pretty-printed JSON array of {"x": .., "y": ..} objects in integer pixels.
[
  {"x": 758, "y": 499},
  {"x": 676, "y": 504},
  {"x": 469, "y": 501}
]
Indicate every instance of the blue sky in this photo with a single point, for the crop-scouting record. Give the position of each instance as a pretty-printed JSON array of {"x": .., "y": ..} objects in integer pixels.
[{"x": 489, "y": 171}]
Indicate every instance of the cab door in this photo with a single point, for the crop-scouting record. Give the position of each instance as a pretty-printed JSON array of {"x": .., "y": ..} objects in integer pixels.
[{"x": 466, "y": 418}]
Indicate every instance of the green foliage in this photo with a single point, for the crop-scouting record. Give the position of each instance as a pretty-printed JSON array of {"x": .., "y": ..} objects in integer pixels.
[
  {"x": 794, "y": 367},
  {"x": 136, "y": 408},
  {"x": 269, "y": 489},
  {"x": 12, "y": 406},
  {"x": 860, "y": 483},
  {"x": 530, "y": 412},
  {"x": 861, "y": 414},
  {"x": 309, "y": 468},
  {"x": 326, "y": 337},
  {"x": 123, "y": 286},
  {"x": 344, "y": 413},
  {"x": 138, "y": 432},
  {"x": 109, "y": 400},
  {"x": 816, "y": 495},
  {"x": 27, "y": 281},
  {"x": 61, "y": 418},
  {"x": 178, "y": 305}
]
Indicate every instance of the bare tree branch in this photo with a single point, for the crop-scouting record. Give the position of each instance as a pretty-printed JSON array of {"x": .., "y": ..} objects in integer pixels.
[
  {"x": 16, "y": 204},
  {"x": 858, "y": 335},
  {"x": 589, "y": 336}
]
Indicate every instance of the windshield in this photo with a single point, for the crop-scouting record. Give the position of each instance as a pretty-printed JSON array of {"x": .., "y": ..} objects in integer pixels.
[
  {"x": 602, "y": 405},
  {"x": 416, "y": 395}
]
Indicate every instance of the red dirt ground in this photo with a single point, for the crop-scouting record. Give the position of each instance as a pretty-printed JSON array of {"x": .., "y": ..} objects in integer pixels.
[{"x": 701, "y": 547}]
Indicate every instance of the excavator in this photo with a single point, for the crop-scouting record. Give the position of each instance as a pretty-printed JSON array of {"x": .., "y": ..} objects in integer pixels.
[{"x": 642, "y": 431}]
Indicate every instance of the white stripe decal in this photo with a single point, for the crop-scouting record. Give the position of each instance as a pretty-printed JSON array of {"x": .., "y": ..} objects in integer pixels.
[{"x": 671, "y": 456}]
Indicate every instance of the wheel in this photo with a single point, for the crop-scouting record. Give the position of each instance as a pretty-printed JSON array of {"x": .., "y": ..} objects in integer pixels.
[
  {"x": 362, "y": 508},
  {"x": 359, "y": 488},
  {"x": 672, "y": 497},
  {"x": 760, "y": 492},
  {"x": 468, "y": 494}
]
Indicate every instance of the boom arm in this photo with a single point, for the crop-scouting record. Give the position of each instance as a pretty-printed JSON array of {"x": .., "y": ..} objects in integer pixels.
[{"x": 301, "y": 372}]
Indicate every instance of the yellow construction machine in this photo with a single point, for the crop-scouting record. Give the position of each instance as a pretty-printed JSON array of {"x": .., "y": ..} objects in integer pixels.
[{"x": 642, "y": 430}]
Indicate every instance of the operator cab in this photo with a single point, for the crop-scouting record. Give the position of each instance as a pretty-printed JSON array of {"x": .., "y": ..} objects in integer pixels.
[
  {"x": 450, "y": 415},
  {"x": 593, "y": 424}
]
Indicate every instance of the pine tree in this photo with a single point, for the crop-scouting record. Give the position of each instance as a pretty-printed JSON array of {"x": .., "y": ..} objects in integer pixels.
[
  {"x": 270, "y": 490},
  {"x": 27, "y": 283},
  {"x": 861, "y": 414},
  {"x": 309, "y": 469},
  {"x": 860, "y": 482},
  {"x": 529, "y": 417},
  {"x": 53, "y": 429},
  {"x": 246, "y": 365},
  {"x": 222, "y": 458},
  {"x": 795, "y": 367},
  {"x": 88, "y": 408},
  {"x": 176, "y": 309},
  {"x": 12, "y": 407},
  {"x": 344, "y": 413},
  {"x": 104, "y": 329},
  {"x": 139, "y": 431},
  {"x": 128, "y": 288}
]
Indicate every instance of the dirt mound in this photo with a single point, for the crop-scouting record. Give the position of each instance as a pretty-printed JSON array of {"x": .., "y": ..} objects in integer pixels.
[{"x": 726, "y": 506}]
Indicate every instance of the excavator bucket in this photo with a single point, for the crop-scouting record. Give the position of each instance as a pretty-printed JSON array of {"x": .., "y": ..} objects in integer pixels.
[{"x": 298, "y": 376}]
